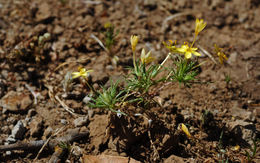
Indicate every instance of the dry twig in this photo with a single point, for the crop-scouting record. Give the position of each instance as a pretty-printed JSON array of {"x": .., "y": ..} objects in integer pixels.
[
  {"x": 71, "y": 136},
  {"x": 47, "y": 141},
  {"x": 99, "y": 42},
  {"x": 68, "y": 109},
  {"x": 207, "y": 53}
]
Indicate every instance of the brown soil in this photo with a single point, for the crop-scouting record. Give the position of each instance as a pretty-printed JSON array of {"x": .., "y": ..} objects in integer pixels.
[{"x": 233, "y": 24}]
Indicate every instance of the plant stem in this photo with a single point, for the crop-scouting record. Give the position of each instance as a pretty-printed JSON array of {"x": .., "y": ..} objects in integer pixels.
[
  {"x": 164, "y": 61},
  {"x": 134, "y": 61},
  {"x": 91, "y": 87},
  {"x": 194, "y": 39}
]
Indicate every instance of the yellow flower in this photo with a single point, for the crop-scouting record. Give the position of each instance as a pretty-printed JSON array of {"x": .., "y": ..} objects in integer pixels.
[
  {"x": 188, "y": 51},
  {"x": 146, "y": 58},
  {"x": 170, "y": 46},
  {"x": 236, "y": 148},
  {"x": 185, "y": 130},
  {"x": 134, "y": 40},
  {"x": 200, "y": 25},
  {"x": 220, "y": 54},
  {"x": 108, "y": 25},
  {"x": 82, "y": 73}
]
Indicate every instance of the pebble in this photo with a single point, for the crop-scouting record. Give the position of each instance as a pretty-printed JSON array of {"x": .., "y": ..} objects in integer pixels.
[
  {"x": 174, "y": 158},
  {"x": 109, "y": 67},
  {"x": 81, "y": 121},
  {"x": 47, "y": 132},
  {"x": 242, "y": 113},
  {"x": 6, "y": 130},
  {"x": 43, "y": 12},
  {"x": 90, "y": 113},
  {"x": 243, "y": 130},
  {"x": 17, "y": 132},
  {"x": 63, "y": 121},
  {"x": 14, "y": 101},
  {"x": 35, "y": 126},
  {"x": 232, "y": 58}
]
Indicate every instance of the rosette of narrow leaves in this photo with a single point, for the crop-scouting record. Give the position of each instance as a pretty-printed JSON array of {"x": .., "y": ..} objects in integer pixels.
[
  {"x": 143, "y": 77},
  {"x": 184, "y": 71},
  {"x": 108, "y": 98}
]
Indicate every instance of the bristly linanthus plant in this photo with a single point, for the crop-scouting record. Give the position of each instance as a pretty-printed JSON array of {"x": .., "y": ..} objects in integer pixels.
[
  {"x": 142, "y": 75},
  {"x": 185, "y": 69},
  {"x": 109, "y": 98}
]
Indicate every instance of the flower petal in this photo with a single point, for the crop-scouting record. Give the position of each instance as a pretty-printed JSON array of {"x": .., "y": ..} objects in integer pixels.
[
  {"x": 185, "y": 130},
  {"x": 188, "y": 55},
  {"x": 75, "y": 75},
  {"x": 196, "y": 53}
]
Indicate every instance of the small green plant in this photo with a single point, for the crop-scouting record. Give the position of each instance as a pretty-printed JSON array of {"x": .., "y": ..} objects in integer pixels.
[
  {"x": 222, "y": 151},
  {"x": 184, "y": 71},
  {"x": 143, "y": 78},
  {"x": 64, "y": 145},
  {"x": 109, "y": 98},
  {"x": 227, "y": 78},
  {"x": 253, "y": 150},
  {"x": 110, "y": 35},
  {"x": 143, "y": 75}
]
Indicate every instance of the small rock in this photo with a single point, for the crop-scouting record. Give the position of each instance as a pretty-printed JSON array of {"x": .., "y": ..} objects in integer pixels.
[
  {"x": 47, "y": 132},
  {"x": 58, "y": 29},
  {"x": 17, "y": 132},
  {"x": 36, "y": 126},
  {"x": 187, "y": 114},
  {"x": 13, "y": 101},
  {"x": 44, "y": 12},
  {"x": 10, "y": 139},
  {"x": 81, "y": 121},
  {"x": 77, "y": 151},
  {"x": 11, "y": 120},
  {"x": 174, "y": 159},
  {"x": 232, "y": 58},
  {"x": 6, "y": 130},
  {"x": 257, "y": 112},
  {"x": 242, "y": 17},
  {"x": 63, "y": 121},
  {"x": 219, "y": 21},
  {"x": 109, "y": 67},
  {"x": 242, "y": 113},
  {"x": 90, "y": 113},
  {"x": 8, "y": 153},
  {"x": 243, "y": 130}
]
